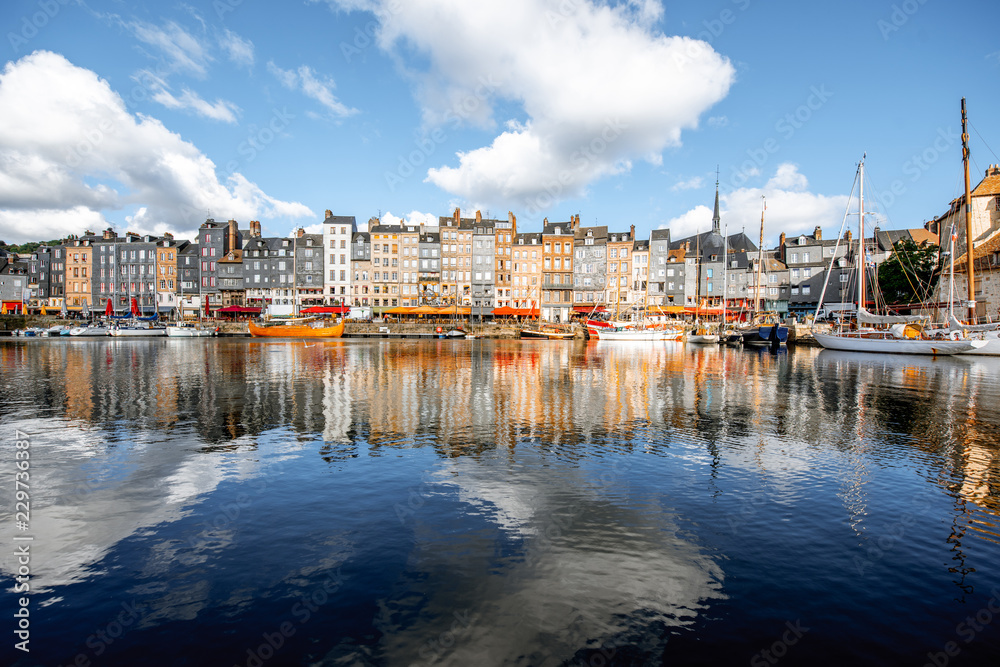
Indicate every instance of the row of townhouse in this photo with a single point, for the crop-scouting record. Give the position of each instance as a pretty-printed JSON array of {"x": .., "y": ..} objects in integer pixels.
[{"x": 475, "y": 262}]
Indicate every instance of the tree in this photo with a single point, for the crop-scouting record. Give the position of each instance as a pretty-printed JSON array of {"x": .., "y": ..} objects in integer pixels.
[{"x": 910, "y": 273}]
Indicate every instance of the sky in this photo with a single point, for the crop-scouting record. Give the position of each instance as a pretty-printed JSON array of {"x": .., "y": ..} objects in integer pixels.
[{"x": 152, "y": 116}]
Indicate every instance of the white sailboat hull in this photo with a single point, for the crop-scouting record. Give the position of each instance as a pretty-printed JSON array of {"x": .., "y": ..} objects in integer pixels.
[
  {"x": 189, "y": 332},
  {"x": 129, "y": 331},
  {"x": 703, "y": 339},
  {"x": 639, "y": 334},
  {"x": 991, "y": 346},
  {"x": 89, "y": 331},
  {"x": 855, "y": 343}
]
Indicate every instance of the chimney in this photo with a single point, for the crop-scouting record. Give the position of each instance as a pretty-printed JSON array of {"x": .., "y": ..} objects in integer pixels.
[
  {"x": 328, "y": 213},
  {"x": 479, "y": 216},
  {"x": 848, "y": 236},
  {"x": 87, "y": 232},
  {"x": 993, "y": 170},
  {"x": 300, "y": 232},
  {"x": 255, "y": 228},
  {"x": 513, "y": 222},
  {"x": 818, "y": 233},
  {"x": 631, "y": 232},
  {"x": 168, "y": 236},
  {"x": 457, "y": 216},
  {"x": 233, "y": 235},
  {"x": 545, "y": 221},
  {"x": 781, "y": 240},
  {"x": 109, "y": 234}
]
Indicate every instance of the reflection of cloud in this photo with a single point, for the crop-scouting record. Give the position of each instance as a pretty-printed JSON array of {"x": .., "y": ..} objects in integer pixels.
[
  {"x": 91, "y": 514},
  {"x": 590, "y": 571}
]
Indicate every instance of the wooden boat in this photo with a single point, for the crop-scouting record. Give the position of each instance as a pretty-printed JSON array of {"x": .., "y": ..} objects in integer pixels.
[
  {"x": 317, "y": 329},
  {"x": 702, "y": 336},
  {"x": 547, "y": 333}
]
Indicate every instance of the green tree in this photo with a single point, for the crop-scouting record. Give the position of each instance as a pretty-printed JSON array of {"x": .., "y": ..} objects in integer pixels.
[{"x": 909, "y": 275}]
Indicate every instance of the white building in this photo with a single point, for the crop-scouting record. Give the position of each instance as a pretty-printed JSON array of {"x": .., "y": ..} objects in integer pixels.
[{"x": 338, "y": 230}]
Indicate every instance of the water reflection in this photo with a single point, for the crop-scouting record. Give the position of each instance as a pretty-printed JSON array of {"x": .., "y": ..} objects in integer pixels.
[{"x": 549, "y": 499}]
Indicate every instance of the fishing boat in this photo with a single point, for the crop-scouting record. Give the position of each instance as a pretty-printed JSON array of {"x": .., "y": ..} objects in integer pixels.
[
  {"x": 547, "y": 333},
  {"x": 314, "y": 329},
  {"x": 189, "y": 330},
  {"x": 887, "y": 334},
  {"x": 56, "y": 330}
]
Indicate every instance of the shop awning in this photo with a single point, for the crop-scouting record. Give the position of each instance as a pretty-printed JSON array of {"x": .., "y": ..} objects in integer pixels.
[
  {"x": 668, "y": 310},
  {"x": 585, "y": 310},
  {"x": 239, "y": 309},
  {"x": 332, "y": 310}
]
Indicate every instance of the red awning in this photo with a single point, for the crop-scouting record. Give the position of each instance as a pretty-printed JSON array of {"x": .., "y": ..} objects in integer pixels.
[
  {"x": 589, "y": 309},
  {"x": 504, "y": 311},
  {"x": 334, "y": 310},
  {"x": 239, "y": 309}
]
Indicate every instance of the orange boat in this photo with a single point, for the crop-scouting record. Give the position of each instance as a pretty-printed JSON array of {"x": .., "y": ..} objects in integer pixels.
[{"x": 311, "y": 330}]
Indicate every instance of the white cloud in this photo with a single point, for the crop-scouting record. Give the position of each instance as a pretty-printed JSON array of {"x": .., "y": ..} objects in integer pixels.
[
  {"x": 692, "y": 183},
  {"x": 790, "y": 209},
  {"x": 317, "y": 87},
  {"x": 237, "y": 49},
  {"x": 182, "y": 50},
  {"x": 219, "y": 110},
  {"x": 70, "y": 151},
  {"x": 787, "y": 177},
  {"x": 412, "y": 218},
  {"x": 597, "y": 85}
]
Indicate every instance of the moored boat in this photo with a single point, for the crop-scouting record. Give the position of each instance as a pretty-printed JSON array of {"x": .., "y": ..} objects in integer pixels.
[
  {"x": 316, "y": 329},
  {"x": 137, "y": 328},
  {"x": 547, "y": 333},
  {"x": 189, "y": 331},
  {"x": 90, "y": 330}
]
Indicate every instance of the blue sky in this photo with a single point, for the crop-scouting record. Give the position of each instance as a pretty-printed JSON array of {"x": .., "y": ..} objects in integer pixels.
[{"x": 153, "y": 115}]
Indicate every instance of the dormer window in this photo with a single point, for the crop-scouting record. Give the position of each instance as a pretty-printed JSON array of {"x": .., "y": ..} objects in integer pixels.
[
  {"x": 802, "y": 240},
  {"x": 558, "y": 230}
]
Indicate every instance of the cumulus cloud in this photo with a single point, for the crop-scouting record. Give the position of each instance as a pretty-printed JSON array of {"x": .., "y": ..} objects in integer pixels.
[
  {"x": 598, "y": 88},
  {"x": 70, "y": 150},
  {"x": 312, "y": 85},
  {"x": 791, "y": 209},
  {"x": 411, "y": 218}
]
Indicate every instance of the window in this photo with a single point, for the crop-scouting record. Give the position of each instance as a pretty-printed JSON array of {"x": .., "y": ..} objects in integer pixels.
[
  {"x": 709, "y": 273},
  {"x": 843, "y": 276},
  {"x": 805, "y": 289},
  {"x": 794, "y": 257},
  {"x": 773, "y": 291},
  {"x": 805, "y": 257}
]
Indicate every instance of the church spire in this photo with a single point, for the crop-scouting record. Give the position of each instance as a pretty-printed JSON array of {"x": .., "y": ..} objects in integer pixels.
[{"x": 715, "y": 217}]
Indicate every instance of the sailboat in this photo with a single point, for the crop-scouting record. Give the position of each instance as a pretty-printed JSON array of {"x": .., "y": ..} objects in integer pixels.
[
  {"x": 990, "y": 333},
  {"x": 765, "y": 328},
  {"x": 895, "y": 334}
]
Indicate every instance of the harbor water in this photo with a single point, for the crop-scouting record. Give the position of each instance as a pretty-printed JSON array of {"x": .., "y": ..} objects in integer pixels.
[{"x": 248, "y": 502}]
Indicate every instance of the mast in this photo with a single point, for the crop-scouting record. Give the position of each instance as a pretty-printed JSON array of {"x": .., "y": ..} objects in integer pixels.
[
  {"x": 760, "y": 259},
  {"x": 969, "y": 258},
  {"x": 861, "y": 234},
  {"x": 725, "y": 265}
]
